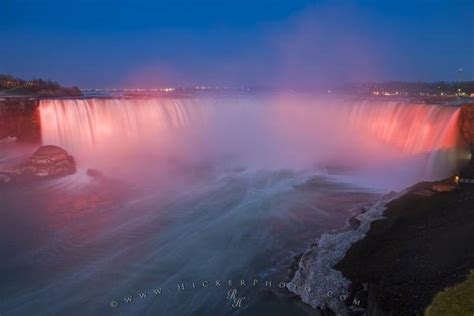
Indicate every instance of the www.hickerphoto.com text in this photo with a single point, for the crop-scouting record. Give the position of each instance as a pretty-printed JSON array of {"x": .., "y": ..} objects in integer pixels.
[{"x": 231, "y": 287}]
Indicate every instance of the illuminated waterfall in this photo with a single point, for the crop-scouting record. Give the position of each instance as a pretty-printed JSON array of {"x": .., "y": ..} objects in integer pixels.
[{"x": 257, "y": 132}]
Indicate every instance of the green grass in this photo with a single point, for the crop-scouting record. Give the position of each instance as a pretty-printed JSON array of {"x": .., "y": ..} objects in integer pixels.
[{"x": 454, "y": 301}]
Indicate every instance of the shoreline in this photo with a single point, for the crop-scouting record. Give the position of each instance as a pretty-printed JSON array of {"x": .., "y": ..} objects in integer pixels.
[
  {"x": 313, "y": 269},
  {"x": 407, "y": 248}
]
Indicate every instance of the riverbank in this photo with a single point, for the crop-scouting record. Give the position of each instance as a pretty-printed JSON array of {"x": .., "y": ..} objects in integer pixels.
[{"x": 421, "y": 246}]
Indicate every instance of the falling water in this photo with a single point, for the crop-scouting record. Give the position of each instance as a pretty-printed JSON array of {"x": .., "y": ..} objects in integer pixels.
[{"x": 363, "y": 136}]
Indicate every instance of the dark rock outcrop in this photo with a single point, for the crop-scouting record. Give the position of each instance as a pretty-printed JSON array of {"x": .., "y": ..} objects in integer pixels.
[
  {"x": 468, "y": 126},
  {"x": 19, "y": 118},
  {"x": 422, "y": 246},
  {"x": 94, "y": 173},
  {"x": 47, "y": 161}
]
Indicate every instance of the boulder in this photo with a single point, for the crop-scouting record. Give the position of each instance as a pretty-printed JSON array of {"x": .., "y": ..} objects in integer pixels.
[
  {"x": 94, "y": 173},
  {"x": 47, "y": 161}
]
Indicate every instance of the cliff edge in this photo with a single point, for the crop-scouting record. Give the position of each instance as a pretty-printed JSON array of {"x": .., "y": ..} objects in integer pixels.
[
  {"x": 467, "y": 126},
  {"x": 19, "y": 118},
  {"x": 423, "y": 246}
]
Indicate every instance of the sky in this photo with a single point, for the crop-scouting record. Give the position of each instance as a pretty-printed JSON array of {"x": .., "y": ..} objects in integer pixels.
[{"x": 270, "y": 43}]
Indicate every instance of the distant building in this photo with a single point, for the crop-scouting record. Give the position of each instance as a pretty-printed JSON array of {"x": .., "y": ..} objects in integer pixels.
[
  {"x": 32, "y": 84},
  {"x": 9, "y": 83}
]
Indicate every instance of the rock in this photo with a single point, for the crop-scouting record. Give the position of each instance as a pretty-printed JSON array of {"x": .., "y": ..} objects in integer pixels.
[
  {"x": 47, "y": 161},
  {"x": 468, "y": 126},
  {"x": 19, "y": 117},
  {"x": 467, "y": 172},
  {"x": 94, "y": 173},
  {"x": 406, "y": 266},
  {"x": 443, "y": 187}
]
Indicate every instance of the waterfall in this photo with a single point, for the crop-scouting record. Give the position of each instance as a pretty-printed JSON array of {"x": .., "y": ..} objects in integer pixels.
[{"x": 295, "y": 133}]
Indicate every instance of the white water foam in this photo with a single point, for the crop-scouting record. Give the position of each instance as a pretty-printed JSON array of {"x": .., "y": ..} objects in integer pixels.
[{"x": 316, "y": 281}]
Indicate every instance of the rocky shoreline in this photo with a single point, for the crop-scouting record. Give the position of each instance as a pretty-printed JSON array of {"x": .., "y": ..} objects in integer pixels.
[
  {"x": 313, "y": 277},
  {"x": 422, "y": 246},
  {"x": 418, "y": 244}
]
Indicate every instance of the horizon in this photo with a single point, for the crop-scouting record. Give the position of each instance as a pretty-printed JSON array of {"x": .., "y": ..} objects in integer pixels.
[{"x": 244, "y": 86}]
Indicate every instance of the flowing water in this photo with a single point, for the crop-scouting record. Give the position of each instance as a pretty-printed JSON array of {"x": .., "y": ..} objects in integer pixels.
[{"x": 199, "y": 190}]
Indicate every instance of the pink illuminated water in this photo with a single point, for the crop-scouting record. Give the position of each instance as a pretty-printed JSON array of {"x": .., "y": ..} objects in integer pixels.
[{"x": 368, "y": 138}]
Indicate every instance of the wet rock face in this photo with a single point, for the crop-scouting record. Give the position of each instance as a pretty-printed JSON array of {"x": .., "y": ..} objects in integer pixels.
[
  {"x": 468, "y": 122},
  {"x": 468, "y": 126},
  {"x": 19, "y": 118},
  {"x": 47, "y": 161}
]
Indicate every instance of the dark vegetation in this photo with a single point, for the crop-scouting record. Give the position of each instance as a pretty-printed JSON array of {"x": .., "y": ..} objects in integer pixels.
[{"x": 10, "y": 85}]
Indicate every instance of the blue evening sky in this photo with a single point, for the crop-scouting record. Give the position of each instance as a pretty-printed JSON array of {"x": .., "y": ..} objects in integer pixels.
[{"x": 145, "y": 43}]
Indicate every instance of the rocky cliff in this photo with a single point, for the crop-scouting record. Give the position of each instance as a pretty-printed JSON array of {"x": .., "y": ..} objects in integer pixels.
[
  {"x": 423, "y": 245},
  {"x": 468, "y": 126},
  {"x": 19, "y": 118}
]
